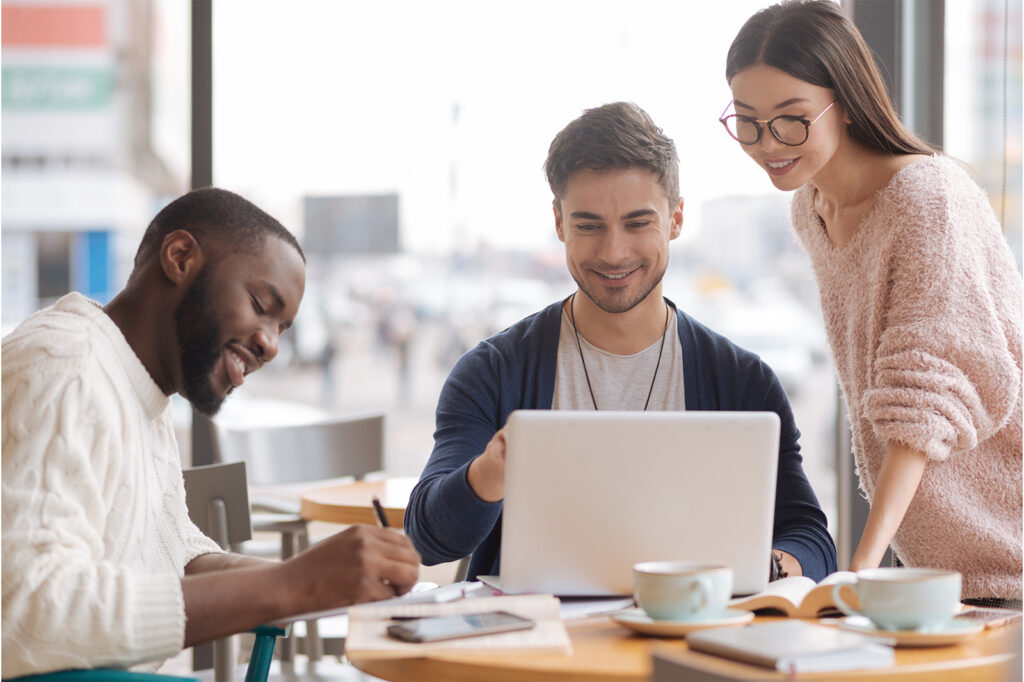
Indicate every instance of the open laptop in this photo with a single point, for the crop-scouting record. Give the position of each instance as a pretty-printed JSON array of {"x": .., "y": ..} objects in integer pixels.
[{"x": 589, "y": 494}]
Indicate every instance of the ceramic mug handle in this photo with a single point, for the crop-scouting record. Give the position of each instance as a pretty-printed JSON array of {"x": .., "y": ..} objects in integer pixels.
[
  {"x": 840, "y": 604},
  {"x": 702, "y": 587}
]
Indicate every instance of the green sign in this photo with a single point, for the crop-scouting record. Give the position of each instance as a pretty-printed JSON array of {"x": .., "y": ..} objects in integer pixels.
[{"x": 56, "y": 88}]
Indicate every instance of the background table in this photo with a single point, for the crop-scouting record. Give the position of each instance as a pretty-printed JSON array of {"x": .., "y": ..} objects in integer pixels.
[
  {"x": 352, "y": 502},
  {"x": 606, "y": 652}
]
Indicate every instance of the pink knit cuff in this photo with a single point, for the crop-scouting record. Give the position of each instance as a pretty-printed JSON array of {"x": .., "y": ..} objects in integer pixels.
[{"x": 926, "y": 403}]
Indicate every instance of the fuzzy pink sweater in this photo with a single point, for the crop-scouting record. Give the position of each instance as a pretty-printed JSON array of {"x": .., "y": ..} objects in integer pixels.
[{"x": 923, "y": 312}]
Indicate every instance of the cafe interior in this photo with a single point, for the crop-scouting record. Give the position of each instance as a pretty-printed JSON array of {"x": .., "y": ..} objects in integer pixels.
[{"x": 402, "y": 143}]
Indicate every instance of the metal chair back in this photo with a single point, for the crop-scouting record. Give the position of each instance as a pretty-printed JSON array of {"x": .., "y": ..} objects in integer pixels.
[{"x": 345, "y": 446}]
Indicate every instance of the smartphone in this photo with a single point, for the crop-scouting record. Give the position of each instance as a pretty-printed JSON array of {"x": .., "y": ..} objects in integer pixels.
[{"x": 450, "y": 627}]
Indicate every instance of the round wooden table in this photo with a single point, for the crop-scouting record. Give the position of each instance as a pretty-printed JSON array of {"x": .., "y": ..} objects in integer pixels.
[
  {"x": 352, "y": 502},
  {"x": 606, "y": 652}
]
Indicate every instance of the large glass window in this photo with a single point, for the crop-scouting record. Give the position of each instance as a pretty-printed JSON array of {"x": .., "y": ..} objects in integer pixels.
[
  {"x": 402, "y": 142},
  {"x": 983, "y": 101},
  {"x": 430, "y": 122},
  {"x": 81, "y": 176}
]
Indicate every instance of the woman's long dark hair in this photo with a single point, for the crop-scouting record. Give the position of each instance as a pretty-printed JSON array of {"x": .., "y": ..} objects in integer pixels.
[{"x": 815, "y": 41}]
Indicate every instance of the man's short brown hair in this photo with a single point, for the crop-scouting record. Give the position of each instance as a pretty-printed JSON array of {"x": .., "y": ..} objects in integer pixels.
[{"x": 618, "y": 135}]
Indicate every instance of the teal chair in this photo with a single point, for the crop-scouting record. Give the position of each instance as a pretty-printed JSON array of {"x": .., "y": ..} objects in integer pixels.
[
  {"x": 258, "y": 670},
  {"x": 101, "y": 675}
]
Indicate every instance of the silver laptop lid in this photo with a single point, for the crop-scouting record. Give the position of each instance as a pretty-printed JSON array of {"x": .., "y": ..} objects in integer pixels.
[{"x": 589, "y": 494}]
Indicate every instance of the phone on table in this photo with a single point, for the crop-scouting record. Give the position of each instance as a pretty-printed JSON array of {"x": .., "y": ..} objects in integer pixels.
[{"x": 437, "y": 628}]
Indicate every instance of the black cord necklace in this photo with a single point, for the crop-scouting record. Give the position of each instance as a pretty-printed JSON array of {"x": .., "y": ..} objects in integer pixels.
[{"x": 650, "y": 391}]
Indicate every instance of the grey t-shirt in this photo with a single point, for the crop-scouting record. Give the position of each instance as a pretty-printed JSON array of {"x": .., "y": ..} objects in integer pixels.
[{"x": 620, "y": 382}]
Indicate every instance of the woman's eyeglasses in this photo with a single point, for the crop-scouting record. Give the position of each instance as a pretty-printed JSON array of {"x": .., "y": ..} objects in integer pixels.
[{"x": 789, "y": 130}]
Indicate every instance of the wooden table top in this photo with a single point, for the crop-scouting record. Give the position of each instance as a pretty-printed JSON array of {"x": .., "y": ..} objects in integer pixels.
[
  {"x": 606, "y": 652},
  {"x": 352, "y": 502}
]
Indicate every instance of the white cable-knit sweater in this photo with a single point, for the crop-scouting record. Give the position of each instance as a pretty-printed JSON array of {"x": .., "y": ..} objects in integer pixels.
[
  {"x": 95, "y": 530},
  {"x": 923, "y": 313}
]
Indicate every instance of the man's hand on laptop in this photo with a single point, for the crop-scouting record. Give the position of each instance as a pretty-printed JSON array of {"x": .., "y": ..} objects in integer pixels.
[{"x": 486, "y": 473}]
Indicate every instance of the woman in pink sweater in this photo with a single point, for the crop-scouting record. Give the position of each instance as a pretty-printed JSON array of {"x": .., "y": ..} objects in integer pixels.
[{"x": 920, "y": 294}]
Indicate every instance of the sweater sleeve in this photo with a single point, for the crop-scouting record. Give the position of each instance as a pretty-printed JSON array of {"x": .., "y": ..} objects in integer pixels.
[
  {"x": 944, "y": 376},
  {"x": 800, "y": 527},
  {"x": 64, "y": 605},
  {"x": 445, "y": 519}
]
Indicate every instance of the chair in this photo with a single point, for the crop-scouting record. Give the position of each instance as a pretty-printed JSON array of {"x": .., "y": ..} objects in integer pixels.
[
  {"x": 101, "y": 675},
  {"x": 217, "y": 498},
  {"x": 257, "y": 671},
  {"x": 287, "y": 458},
  {"x": 352, "y": 445}
]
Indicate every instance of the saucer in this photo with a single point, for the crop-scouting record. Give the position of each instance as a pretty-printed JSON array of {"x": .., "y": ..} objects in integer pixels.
[
  {"x": 638, "y": 621},
  {"x": 953, "y": 632}
]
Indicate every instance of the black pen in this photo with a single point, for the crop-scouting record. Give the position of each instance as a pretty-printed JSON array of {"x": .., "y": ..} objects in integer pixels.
[{"x": 378, "y": 509}]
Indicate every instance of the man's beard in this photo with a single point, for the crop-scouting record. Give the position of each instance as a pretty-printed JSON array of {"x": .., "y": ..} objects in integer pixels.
[
  {"x": 199, "y": 347},
  {"x": 614, "y": 304}
]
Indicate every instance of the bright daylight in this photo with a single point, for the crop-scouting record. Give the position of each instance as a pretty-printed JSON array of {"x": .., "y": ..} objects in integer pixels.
[{"x": 555, "y": 340}]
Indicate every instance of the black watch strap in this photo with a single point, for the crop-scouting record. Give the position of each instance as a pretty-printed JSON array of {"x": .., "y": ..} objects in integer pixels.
[{"x": 775, "y": 572}]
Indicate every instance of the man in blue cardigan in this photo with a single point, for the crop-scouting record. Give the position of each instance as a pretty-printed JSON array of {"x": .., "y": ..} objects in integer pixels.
[{"x": 614, "y": 344}]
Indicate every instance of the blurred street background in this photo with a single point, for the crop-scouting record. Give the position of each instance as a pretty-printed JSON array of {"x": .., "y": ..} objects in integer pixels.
[
  {"x": 369, "y": 370},
  {"x": 402, "y": 142}
]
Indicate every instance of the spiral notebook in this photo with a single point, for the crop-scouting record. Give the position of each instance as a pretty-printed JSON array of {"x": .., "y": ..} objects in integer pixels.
[{"x": 794, "y": 646}]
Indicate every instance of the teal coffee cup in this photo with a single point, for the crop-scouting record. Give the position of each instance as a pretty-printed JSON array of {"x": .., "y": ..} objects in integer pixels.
[
  {"x": 681, "y": 590},
  {"x": 922, "y": 599}
]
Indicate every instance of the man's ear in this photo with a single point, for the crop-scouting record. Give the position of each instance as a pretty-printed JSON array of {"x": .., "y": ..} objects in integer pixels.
[
  {"x": 677, "y": 221},
  {"x": 181, "y": 257},
  {"x": 559, "y": 227}
]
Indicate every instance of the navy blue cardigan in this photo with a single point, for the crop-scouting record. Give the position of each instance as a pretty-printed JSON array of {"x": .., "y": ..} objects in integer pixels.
[{"x": 516, "y": 369}]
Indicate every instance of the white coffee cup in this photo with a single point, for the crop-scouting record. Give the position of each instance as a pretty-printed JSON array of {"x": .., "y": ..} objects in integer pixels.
[
  {"x": 922, "y": 599},
  {"x": 682, "y": 590}
]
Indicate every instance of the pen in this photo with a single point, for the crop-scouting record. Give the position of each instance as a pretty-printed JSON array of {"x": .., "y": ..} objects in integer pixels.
[{"x": 378, "y": 509}]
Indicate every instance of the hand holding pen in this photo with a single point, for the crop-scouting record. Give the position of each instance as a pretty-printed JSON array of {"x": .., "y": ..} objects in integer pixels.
[{"x": 378, "y": 510}]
